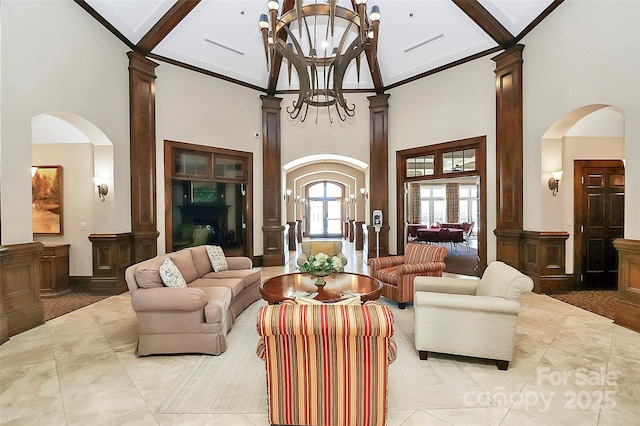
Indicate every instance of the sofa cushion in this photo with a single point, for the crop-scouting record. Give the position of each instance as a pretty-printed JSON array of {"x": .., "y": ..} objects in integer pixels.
[
  {"x": 200, "y": 260},
  {"x": 217, "y": 258},
  {"x": 236, "y": 285},
  {"x": 218, "y": 302},
  {"x": 249, "y": 276},
  {"x": 147, "y": 273},
  {"x": 388, "y": 275},
  {"x": 184, "y": 262},
  {"x": 170, "y": 274}
]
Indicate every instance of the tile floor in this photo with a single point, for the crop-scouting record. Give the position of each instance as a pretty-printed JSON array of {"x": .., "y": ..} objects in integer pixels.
[{"x": 571, "y": 367}]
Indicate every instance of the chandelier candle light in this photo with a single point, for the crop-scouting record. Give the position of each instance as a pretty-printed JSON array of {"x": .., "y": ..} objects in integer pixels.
[
  {"x": 320, "y": 266},
  {"x": 321, "y": 70}
]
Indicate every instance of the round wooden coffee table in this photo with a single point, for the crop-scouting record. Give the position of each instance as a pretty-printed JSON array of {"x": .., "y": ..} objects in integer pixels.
[{"x": 338, "y": 286}]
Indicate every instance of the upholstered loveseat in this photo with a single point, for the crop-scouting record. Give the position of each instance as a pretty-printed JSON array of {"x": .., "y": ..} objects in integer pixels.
[{"x": 195, "y": 318}]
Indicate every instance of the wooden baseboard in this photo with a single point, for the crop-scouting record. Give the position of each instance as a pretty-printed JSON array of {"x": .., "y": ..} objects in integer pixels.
[{"x": 80, "y": 284}]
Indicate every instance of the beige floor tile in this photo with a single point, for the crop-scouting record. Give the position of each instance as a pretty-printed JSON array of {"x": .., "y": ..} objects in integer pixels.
[{"x": 81, "y": 368}]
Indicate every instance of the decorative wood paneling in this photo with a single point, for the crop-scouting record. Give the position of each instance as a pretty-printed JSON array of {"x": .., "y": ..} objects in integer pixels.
[
  {"x": 20, "y": 305},
  {"x": 54, "y": 270},
  {"x": 508, "y": 246},
  {"x": 544, "y": 256},
  {"x": 142, "y": 116},
  {"x": 509, "y": 150},
  {"x": 379, "y": 164},
  {"x": 540, "y": 255},
  {"x": 112, "y": 254},
  {"x": 627, "y": 308},
  {"x": 272, "y": 230}
]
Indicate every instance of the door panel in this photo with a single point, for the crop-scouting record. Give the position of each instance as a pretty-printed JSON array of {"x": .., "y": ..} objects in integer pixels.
[{"x": 600, "y": 220}]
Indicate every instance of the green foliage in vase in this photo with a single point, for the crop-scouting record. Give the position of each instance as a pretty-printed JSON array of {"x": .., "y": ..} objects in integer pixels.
[{"x": 320, "y": 263}]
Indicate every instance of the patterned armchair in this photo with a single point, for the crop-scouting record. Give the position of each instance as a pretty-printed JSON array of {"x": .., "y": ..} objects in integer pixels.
[
  {"x": 398, "y": 272},
  {"x": 326, "y": 364}
]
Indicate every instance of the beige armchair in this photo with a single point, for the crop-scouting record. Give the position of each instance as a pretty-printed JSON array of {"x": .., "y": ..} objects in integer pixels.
[
  {"x": 475, "y": 318},
  {"x": 331, "y": 248}
]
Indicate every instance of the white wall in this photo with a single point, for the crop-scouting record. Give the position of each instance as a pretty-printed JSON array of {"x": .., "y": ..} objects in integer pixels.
[
  {"x": 456, "y": 104},
  {"x": 198, "y": 109},
  {"x": 56, "y": 58},
  {"x": 79, "y": 199},
  {"x": 349, "y": 137},
  {"x": 584, "y": 53}
]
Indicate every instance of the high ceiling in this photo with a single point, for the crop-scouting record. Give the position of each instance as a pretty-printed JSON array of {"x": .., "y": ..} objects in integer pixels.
[{"x": 222, "y": 38}]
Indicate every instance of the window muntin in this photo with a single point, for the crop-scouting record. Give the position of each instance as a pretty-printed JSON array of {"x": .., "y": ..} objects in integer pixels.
[
  {"x": 459, "y": 161},
  {"x": 420, "y": 166}
]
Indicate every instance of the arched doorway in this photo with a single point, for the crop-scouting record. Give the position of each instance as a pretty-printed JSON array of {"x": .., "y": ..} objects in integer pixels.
[
  {"x": 587, "y": 145},
  {"x": 325, "y": 209}
]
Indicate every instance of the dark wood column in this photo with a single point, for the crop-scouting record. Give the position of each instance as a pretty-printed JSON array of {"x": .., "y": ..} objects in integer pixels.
[
  {"x": 378, "y": 172},
  {"x": 142, "y": 163},
  {"x": 272, "y": 227},
  {"x": 509, "y": 155}
]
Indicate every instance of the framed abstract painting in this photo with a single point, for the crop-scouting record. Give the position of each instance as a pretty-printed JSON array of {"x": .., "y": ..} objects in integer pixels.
[{"x": 46, "y": 200}]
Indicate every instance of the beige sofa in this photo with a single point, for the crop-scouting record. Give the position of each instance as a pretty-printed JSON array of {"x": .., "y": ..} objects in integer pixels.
[{"x": 196, "y": 318}]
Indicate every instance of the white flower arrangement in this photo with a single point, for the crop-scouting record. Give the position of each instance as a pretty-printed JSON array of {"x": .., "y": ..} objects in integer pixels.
[{"x": 322, "y": 263}]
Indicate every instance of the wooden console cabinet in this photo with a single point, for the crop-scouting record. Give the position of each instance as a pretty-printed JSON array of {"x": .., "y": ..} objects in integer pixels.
[{"x": 54, "y": 270}]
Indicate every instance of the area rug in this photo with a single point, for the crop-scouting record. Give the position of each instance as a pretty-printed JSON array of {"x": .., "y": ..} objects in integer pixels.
[
  {"x": 601, "y": 302},
  {"x": 461, "y": 260},
  {"x": 235, "y": 382},
  {"x": 60, "y": 305}
]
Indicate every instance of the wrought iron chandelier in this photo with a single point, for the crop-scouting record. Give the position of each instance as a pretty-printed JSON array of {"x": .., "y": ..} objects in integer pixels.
[{"x": 319, "y": 63}]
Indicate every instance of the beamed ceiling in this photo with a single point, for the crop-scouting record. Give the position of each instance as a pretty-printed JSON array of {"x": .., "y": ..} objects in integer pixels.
[{"x": 222, "y": 39}]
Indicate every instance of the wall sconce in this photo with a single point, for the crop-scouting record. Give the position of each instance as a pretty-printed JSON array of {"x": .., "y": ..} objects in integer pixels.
[
  {"x": 297, "y": 199},
  {"x": 365, "y": 194},
  {"x": 103, "y": 189},
  {"x": 287, "y": 195},
  {"x": 554, "y": 182}
]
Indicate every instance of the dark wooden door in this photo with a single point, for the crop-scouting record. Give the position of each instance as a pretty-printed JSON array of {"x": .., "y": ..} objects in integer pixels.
[{"x": 600, "y": 220}]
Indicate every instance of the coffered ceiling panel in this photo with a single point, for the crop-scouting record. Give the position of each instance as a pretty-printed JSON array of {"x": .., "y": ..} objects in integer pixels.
[{"x": 416, "y": 37}]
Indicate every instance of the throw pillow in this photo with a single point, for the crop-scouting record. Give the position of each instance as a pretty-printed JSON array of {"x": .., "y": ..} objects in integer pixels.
[
  {"x": 217, "y": 258},
  {"x": 170, "y": 274}
]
